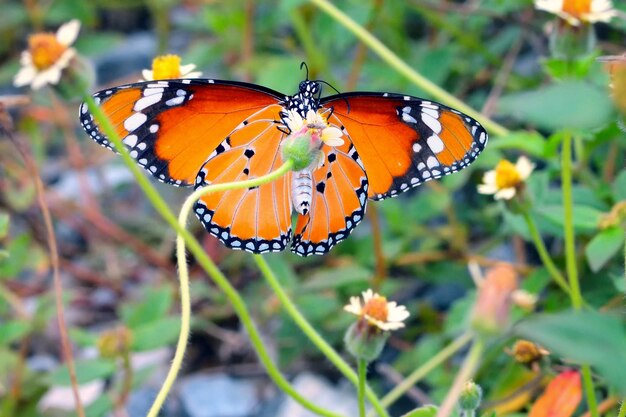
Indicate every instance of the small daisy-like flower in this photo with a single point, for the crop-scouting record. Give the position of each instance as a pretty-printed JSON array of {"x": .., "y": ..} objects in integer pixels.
[
  {"x": 167, "y": 67},
  {"x": 47, "y": 56},
  {"x": 316, "y": 125},
  {"x": 507, "y": 179},
  {"x": 377, "y": 311},
  {"x": 577, "y": 11}
]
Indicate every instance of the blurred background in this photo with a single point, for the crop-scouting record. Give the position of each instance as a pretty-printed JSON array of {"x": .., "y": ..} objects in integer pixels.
[{"x": 117, "y": 257}]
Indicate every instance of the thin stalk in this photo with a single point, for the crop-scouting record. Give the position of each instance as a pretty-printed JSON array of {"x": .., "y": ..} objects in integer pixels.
[
  {"x": 570, "y": 259},
  {"x": 205, "y": 262},
  {"x": 314, "y": 336},
  {"x": 622, "y": 409},
  {"x": 362, "y": 372},
  {"x": 544, "y": 255},
  {"x": 467, "y": 371},
  {"x": 415, "y": 376},
  {"x": 403, "y": 68}
]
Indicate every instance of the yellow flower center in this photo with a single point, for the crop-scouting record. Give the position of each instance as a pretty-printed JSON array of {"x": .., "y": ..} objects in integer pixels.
[
  {"x": 577, "y": 8},
  {"x": 507, "y": 175},
  {"x": 166, "y": 67},
  {"x": 45, "y": 50},
  {"x": 376, "y": 308}
]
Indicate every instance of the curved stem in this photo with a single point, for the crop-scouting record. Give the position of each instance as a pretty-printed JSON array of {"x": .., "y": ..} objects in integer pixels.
[
  {"x": 467, "y": 371},
  {"x": 570, "y": 259},
  {"x": 400, "y": 66},
  {"x": 622, "y": 409},
  {"x": 314, "y": 336},
  {"x": 456, "y": 345},
  {"x": 201, "y": 257},
  {"x": 544, "y": 255},
  {"x": 362, "y": 371}
]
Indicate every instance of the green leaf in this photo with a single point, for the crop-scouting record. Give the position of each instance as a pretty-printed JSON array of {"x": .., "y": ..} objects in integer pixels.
[
  {"x": 13, "y": 330},
  {"x": 337, "y": 277},
  {"x": 603, "y": 247},
  {"x": 569, "y": 104},
  {"x": 585, "y": 218},
  {"x": 99, "y": 408},
  {"x": 82, "y": 337},
  {"x": 155, "y": 305},
  {"x": 531, "y": 143},
  {"x": 86, "y": 370},
  {"x": 619, "y": 186},
  {"x": 584, "y": 337},
  {"x": 156, "y": 334},
  {"x": 4, "y": 225},
  {"x": 425, "y": 411}
]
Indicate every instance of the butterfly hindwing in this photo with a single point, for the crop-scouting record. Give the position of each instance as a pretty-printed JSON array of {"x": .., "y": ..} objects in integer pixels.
[
  {"x": 404, "y": 141},
  {"x": 257, "y": 219},
  {"x": 171, "y": 127},
  {"x": 338, "y": 202}
]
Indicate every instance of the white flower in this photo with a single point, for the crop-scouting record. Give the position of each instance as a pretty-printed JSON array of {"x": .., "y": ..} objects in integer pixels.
[
  {"x": 504, "y": 181},
  {"x": 316, "y": 125},
  {"x": 577, "y": 11},
  {"x": 386, "y": 315},
  {"x": 47, "y": 56},
  {"x": 167, "y": 67}
]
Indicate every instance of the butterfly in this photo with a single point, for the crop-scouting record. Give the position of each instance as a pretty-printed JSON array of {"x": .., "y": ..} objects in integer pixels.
[{"x": 196, "y": 132}]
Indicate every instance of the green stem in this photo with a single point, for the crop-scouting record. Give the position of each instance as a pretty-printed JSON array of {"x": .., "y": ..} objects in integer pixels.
[
  {"x": 400, "y": 66},
  {"x": 570, "y": 259},
  {"x": 207, "y": 264},
  {"x": 314, "y": 336},
  {"x": 362, "y": 371},
  {"x": 467, "y": 371},
  {"x": 544, "y": 255},
  {"x": 426, "y": 368},
  {"x": 622, "y": 409}
]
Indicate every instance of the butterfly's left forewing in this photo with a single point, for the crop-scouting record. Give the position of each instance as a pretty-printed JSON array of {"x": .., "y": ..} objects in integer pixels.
[{"x": 170, "y": 127}]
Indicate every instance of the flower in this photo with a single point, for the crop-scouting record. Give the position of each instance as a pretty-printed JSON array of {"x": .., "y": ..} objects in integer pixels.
[
  {"x": 47, "y": 56},
  {"x": 577, "y": 11},
  {"x": 493, "y": 301},
  {"x": 167, "y": 67},
  {"x": 316, "y": 125},
  {"x": 380, "y": 313},
  {"x": 504, "y": 181},
  {"x": 527, "y": 352}
]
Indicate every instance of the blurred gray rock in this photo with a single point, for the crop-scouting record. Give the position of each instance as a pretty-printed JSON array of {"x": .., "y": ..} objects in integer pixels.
[
  {"x": 340, "y": 399},
  {"x": 218, "y": 395}
]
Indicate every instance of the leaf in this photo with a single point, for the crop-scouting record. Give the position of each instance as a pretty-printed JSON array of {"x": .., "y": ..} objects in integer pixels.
[
  {"x": 425, "y": 411},
  {"x": 560, "y": 398},
  {"x": 155, "y": 305},
  {"x": 531, "y": 143},
  {"x": 86, "y": 370},
  {"x": 12, "y": 331},
  {"x": 619, "y": 186},
  {"x": 584, "y": 218},
  {"x": 603, "y": 247},
  {"x": 584, "y": 337},
  {"x": 337, "y": 277},
  {"x": 156, "y": 334},
  {"x": 4, "y": 225},
  {"x": 572, "y": 104}
]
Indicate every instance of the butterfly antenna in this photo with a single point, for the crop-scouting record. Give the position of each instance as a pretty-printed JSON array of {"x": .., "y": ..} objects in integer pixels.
[
  {"x": 303, "y": 64},
  {"x": 337, "y": 91}
]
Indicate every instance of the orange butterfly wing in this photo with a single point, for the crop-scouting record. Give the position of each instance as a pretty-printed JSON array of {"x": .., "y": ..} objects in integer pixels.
[
  {"x": 339, "y": 197},
  {"x": 404, "y": 141},
  {"x": 258, "y": 219},
  {"x": 171, "y": 127}
]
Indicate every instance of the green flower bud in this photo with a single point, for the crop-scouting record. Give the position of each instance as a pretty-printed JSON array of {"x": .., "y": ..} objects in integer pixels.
[
  {"x": 301, "y": 150},
  {"x": 471, "y": 396},
  {"x": 364, "y": 341}
]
